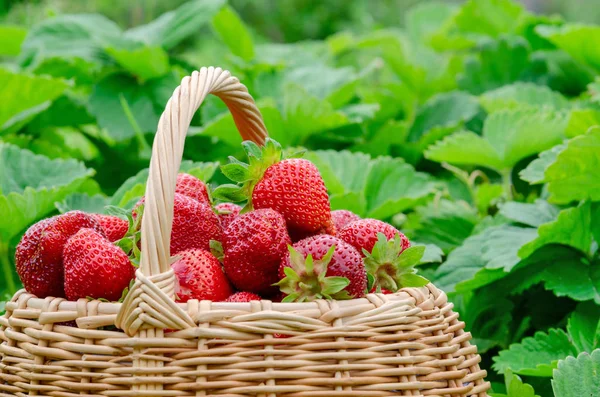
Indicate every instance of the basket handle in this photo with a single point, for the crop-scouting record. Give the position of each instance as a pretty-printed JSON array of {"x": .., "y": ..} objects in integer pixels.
[{"x": 167, "y": 152}]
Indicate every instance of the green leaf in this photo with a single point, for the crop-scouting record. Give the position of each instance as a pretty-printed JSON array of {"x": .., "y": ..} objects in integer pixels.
[
  {"x": 575, "y": 278},
  {"x": 425, "y": 19},
  {"x": 573, "y": 176},
  {"x": 571, "y": 227},
  {"x": 70, "y": 36},
  {"x": 11, "y": 38},
  {"x": 145, "y": 102},
  {"x": 25, "y": 96},
  {"x": 144, "y": 62},
  {"x": 581, "y": 120},
  {"x": 83, "y": 202},
  {"x": 533, "y": 215},
  {"x": 230, "y": 27},
  {"x": 501, "y": 248},
  {"x": 482, "y": 72},
  {"x": 443, "y": 110},
  {"x": 432, "y": 254},
  {"x": 376, "y": 188},
  {"x": 537, "y": 355},
  {"x": 31, "y": 184},
  {"x": 488, "y": 17},
  {"x": 444, "y": 223},
  {"x": 534, "y": 172},
  {"x": 508, "y": 137},
  {"x": 574, "y": 39},
  {"x": 577, "y": 377},
  {"x": 584, "y": 327},
  {"x": 520, "y": 95},
  {"x": 171, "y": 28},
  {"x": 515, "y": 387}
]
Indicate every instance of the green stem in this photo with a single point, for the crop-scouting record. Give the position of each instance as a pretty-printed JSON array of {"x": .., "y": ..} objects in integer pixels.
[
  {"x": 145, "y": 150},
  {"x": 7, "y": 269},
  {"x": 507, "y": 183}
]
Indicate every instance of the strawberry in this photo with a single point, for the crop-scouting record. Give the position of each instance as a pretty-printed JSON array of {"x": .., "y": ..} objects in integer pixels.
[
  {"x": 391, "y": 266},
  {"x": 39, "y": 254},
  {"x": 114, "y": 228},
  {"x": 194, "y": 224},
  {"x": 254, "y": 244},
  {"x": 322, "y": 267},
  {"x": 243, "y": 297},
  {"x": 200, "y": 276},
  {"x": 227, "y": 212},
  {"x": 343, "y": 217},
  {"x": 293, "y": 187},
  {"x": 362, "y": 234},
  {"x": 190, "y": 186},
  {"x": 95, "y": 267}
]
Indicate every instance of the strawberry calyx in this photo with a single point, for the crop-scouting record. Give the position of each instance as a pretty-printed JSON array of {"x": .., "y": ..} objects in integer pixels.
[
  {"x": 391, "y": 268},
  {"x": 130, "y": 243},
  {"x": 306, "y": 279},
  {"x": 247, "y": 175},
  {"x": 216, "y": 248}
]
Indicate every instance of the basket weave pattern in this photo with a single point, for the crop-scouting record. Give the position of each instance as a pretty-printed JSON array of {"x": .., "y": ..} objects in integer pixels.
[{"x": 407, "y": 344}]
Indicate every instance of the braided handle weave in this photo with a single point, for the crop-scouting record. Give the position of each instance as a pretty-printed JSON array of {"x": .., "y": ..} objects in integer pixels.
[
  {"x": 167, "y": 152},
  {"x": 150, "y": 304}
]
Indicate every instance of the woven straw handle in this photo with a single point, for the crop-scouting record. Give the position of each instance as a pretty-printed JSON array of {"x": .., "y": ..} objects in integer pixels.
[{"x": 167, "y": 152}]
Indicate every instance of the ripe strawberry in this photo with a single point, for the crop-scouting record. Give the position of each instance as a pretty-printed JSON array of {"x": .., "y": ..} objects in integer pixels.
[
  {"x": 200, "y": 276},
  {"x": 194, "y": 224},
  {"x": 343, "y": 217},
  {"x": 227, "y": 212},
  {"x": 381, "y": 291},
  {"x": 254, "y": 244},
  {"x": 39, "y": 254},
  {"x": 391, "y": 266},
  {"x": 362, "y": 234},
  {"x": 293, "y": 187},
  {"x": 95, "y": 267},
  {"x": 322, "y": 267},
  {"x": 243, "y": 297},
  {"x": 190, "y": 186},
  {"x": 114, "y": 228}
]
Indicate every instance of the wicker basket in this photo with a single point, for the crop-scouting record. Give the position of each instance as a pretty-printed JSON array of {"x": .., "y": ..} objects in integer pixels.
[{"x": 407, "y": 344}]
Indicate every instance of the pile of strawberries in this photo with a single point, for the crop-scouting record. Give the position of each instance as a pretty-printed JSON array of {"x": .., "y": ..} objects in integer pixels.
[{"x": 285, "y": 244}]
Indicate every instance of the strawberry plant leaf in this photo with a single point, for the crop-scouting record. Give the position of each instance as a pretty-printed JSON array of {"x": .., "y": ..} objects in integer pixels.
[
  {"x": 83, "y": 202},
  {"x": 231, "y": 29},
  {"x": 578, "y": 376},
  {"x": 515, "y": 387},
  {"x": 144, "y": 62},
  {"x": 573, "y": 176},
  {"x": 537, "y": 355},
  {"x": 29, "y": 95},
  {"x": 519, "y": 95},
  {"x": 533, "y": 215},
  {"x": 572, "y": 227},
  {"x": 581, "y": 120},
  {"x": 487, "y": 17},
  {"x": 508, "y": 137},
  {"x": 534, "y": 173},
  {"x": 171, "y": 28},
  {"x": 501, "y": 248},
  {"x": 584, "y": 327},
  {"x": 70, "y": 36},
  {"x": 425, "y": 19},
  {"x": 572, "y": 39},
  {"x": 11, "y": 38}
]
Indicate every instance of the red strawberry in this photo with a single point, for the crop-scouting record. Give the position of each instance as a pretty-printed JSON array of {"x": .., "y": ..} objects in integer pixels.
[
  {"x": 227, "y": 212},
  {"x": 254, "y": 244},
  {"x": 200, "y": 276},
  {"x": 343, "y": 217},
  {"x": 243, "y": 297},
  {"x": 292, "y": 187},
  {"x": 95, "y": 267},
  {"x": 190, "y": 186},
  {"x": 362, "y": 234},
  {"x": 382, "y": 291},
  {"x": 113, "y": 227},
  {"x": 39, "y": 255},
  {"x": 322, "y": 267},
  {"x": 194, "y": 224}
]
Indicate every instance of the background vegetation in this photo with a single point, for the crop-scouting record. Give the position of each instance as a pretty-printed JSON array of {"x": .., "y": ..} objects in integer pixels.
[{"x": 469, "y": 125}]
